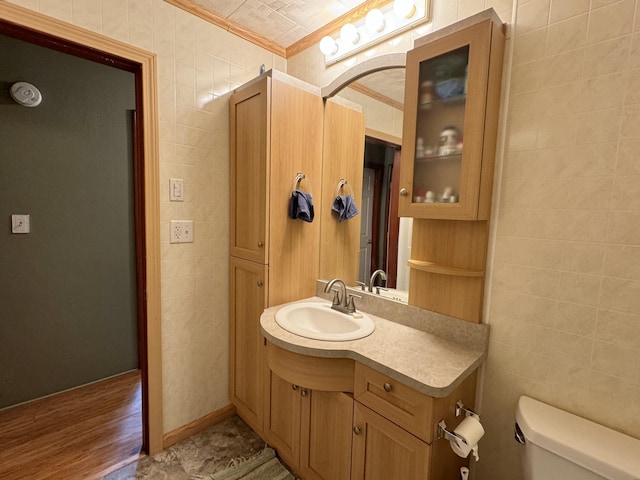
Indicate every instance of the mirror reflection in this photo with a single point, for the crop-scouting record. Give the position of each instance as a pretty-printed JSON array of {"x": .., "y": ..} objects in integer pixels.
[{"x": 385, "y": 240}]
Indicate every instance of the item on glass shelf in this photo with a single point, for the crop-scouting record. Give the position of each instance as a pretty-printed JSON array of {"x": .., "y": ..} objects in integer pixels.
[
  {"x": 430, "y": 197},
  {"x": 446, "y": 195},
  {"x": 448, "y": 141},
  {"x": 426, "y": 92},
  {"x": 453, "y": 199},
  {"x": 430, "y": 150},
  {"x": 419, "y": 148},
  {"x": 450, "y": 88}
]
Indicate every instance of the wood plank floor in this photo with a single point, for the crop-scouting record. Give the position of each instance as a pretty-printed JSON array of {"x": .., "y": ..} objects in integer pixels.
[{"x": 73, "y": 435}]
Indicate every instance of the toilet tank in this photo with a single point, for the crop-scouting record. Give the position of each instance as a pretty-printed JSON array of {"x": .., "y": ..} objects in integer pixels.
[{"x": 561, "y": 446}]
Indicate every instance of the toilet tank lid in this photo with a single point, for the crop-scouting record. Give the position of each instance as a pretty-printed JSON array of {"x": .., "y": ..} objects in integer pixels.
[{"x": 606, "y": 452}]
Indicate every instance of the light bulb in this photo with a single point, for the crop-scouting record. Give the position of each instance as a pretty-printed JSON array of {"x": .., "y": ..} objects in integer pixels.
[
  {"x": 328, "y": 45},
  {"x": 404, "y": 8},
  {"x": 349, "y": 34},
  {"x": 375, "y": 21}
]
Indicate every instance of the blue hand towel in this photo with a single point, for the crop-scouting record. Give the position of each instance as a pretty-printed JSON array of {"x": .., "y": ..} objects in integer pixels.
[
  {"x": 345, "y": 206},
  {"x": 301, "y": 206}
]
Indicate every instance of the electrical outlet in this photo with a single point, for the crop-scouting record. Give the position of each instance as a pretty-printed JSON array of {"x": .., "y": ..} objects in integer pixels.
[{"x": 181, "y": 231}]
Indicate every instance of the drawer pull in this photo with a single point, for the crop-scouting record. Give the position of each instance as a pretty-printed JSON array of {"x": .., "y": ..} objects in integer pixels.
[
  {"x": 303, "y": 392},
  {"x": 294, "y": 387},
  {"x": 387, "y": 387},
  {"x": 260, "y": 244},
  {"x": 356, "y": 430},
  {"x": 259, "y": 283}
]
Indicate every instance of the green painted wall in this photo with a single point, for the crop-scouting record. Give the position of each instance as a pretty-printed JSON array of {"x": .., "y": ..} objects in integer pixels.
[{"x": 67, "y": 289}]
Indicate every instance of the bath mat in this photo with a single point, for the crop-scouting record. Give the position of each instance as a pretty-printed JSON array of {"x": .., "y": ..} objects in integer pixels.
[{"x": 262, "y": 466}]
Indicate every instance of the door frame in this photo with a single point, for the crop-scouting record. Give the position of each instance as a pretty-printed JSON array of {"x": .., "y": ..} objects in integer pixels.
[{"x": 76, "y": 39}]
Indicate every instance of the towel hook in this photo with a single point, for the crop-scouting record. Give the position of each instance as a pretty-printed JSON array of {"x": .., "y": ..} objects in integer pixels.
[
  {"x": 298, "y": 179},
  {"x": 341, "y": 184}
]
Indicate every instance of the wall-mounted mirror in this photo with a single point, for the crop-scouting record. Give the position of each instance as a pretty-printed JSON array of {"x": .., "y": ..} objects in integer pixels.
[{"x": 385, "y": 240}]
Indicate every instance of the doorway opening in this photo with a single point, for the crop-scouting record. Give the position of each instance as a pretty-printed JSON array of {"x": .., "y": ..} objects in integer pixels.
[
  {"x": 380, "y": 223},
  {"x": 143, "y": 258}
]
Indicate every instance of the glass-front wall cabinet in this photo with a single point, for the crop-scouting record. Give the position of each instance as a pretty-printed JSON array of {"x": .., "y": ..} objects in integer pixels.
[{"x": 451, "y": 109}]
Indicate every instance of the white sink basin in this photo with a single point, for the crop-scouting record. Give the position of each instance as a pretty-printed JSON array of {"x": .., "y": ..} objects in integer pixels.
[{"x": 320, "y": 322}]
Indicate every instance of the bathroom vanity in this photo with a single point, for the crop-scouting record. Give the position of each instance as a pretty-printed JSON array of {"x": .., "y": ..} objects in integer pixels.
[{"x": 367, "y": 408}]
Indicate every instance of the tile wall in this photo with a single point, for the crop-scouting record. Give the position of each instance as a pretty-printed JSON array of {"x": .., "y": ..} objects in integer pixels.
[
  {"x": 564, "y": 307},
  {"x": 197, "y": 64}
]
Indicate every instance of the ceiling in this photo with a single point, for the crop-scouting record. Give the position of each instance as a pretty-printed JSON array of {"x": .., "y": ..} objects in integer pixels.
[
  {"x": 293, "y": 24},
  {"x": 284, "y": 22}
]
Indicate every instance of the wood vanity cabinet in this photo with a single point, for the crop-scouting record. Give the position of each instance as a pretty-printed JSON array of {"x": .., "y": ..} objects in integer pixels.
[
  {"x": 452, "y": 99},
  {"x": 353, "y": 422},
  {"x": 310, "y": 429},
  {"x": 395, "y": 429},
  {"x": 275, "y": 133},
  {"x": 247, "y": 300},
  {"x": 450, "y": 121},
  {"x": 309, "y": 413}
]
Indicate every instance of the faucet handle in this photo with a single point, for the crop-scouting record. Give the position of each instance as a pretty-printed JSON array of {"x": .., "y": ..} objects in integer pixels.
[
  {"x": 362, "y": 285},
  {"x": 336, "y": 296},
  {"x": 381, "y": 288},
  {"x": 351, "y": 304}
]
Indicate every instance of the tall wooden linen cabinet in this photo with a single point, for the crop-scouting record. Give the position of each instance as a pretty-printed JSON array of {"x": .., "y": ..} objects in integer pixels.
[{"x": 275, "y": 133}]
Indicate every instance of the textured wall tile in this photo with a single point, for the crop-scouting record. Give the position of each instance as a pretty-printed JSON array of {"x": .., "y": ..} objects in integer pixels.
[
  {"x": 567, "y": 35},
  {"x": 612, "y": 21}
]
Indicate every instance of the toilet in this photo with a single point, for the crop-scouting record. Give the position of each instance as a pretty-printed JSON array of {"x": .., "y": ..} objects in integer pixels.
[{"x": 561, "y": 446}]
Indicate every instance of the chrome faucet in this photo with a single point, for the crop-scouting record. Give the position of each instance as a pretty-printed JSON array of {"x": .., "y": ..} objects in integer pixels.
[
  {"x": 373, "y": 278},
  {"x": 344, "y": 303}
]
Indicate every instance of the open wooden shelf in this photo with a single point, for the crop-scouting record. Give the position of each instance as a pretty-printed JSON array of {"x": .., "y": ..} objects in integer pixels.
[{"x": 432, "y": 267}]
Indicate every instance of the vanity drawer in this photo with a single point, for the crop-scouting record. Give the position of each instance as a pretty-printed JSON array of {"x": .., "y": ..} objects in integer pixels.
[{"x": 406, "y": 407}]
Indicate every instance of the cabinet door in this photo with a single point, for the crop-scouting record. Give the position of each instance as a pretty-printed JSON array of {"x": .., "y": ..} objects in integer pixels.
[
  {"x": 248, "y": 143},
  {"x": 282, "y": 419},
  {"x": 327, "y": 420},
  {"x": 451, "y": 104},
  {"x": 246, "y": 349},
  {"x": 383, "y": 451}
]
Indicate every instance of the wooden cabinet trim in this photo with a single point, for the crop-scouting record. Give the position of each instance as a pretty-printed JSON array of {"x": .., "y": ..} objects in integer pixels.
[
  {"x": 364, "y": 450},
  {"x": 329, "y": 374},
  {"x": 410, "y": 409},
  {"x": 486, "y": 42}
]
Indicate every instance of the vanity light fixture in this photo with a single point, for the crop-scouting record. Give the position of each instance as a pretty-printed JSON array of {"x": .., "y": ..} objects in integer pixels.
[
  {"x": 378, "y": 25},
  {"x": 404, "y": 8},
  {"x": 349, "y": 34},
  {"x": 328, "y": 46},
  {"x": 375, "y": 21}
]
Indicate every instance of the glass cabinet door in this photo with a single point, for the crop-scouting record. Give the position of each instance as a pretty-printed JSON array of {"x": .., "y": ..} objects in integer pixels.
[
  {"x": 440, "y": 127},
  {"x": 444, "y": 127}
]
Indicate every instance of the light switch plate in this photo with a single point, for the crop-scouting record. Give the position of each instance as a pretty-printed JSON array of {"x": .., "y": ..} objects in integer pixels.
[
  {"x": 20, "y": 223},
  {"x": 181, "y": 231},
  {"x": 176, "y": 190}
]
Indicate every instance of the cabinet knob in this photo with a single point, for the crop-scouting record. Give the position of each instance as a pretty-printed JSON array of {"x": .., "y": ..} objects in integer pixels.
[
  {"x": 260, "y": 244},
  {"x": 294, "y": 387},
  {"x": 356, "y": 430},
  {"x": 404, "y": 192},
  {"x": 303, "y": 392},
  {"x": 259, "y": 283},
  {"x": 387, "y": 387}
]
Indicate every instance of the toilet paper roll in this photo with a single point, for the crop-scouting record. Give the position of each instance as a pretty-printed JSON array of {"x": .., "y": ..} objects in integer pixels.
[{"x": 470, "y": 429}]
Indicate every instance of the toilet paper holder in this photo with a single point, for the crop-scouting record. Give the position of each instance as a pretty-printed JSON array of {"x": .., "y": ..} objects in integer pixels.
[{"x": 447, "y": 434}]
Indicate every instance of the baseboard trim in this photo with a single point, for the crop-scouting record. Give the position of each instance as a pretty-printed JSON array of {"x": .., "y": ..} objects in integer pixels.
[{"x": 197, "y": 425}]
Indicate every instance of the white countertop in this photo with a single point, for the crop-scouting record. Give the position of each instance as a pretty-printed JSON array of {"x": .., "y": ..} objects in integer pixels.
[{"x": 421, "y": 360}]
